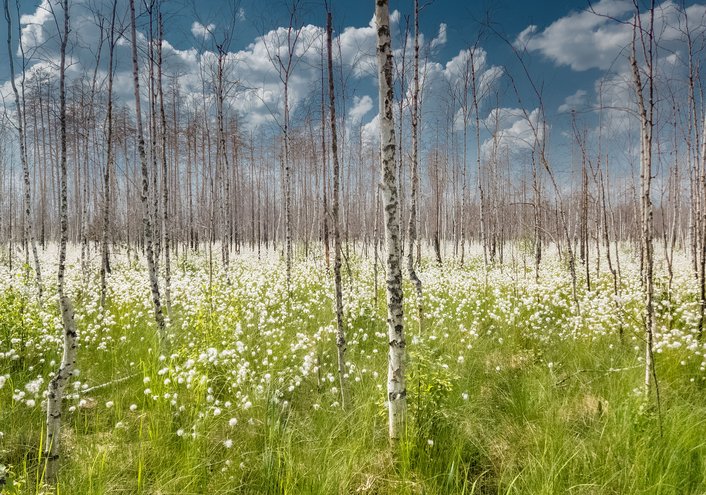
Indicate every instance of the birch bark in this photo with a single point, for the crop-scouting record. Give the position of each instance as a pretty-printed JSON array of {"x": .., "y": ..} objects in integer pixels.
[{"x": 396, "y": 388}]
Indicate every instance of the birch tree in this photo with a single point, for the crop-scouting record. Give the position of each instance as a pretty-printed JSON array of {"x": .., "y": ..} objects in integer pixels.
[
  {"x": 285, "y": 66},
  {"x": 340, "y": 333},
  {"x": 396, "y": 388},
  {"x": 105, "y": 254},
  {"x": 146, "y": 220},
  {"x": 646, "y": 107},
  {"x": 55, "y": 393},
  {"x": 412, "y": 226},
  {"x": 29, "y": 234}
]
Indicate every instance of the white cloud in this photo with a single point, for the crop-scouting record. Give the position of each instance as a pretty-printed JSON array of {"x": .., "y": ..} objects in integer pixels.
[
  {"x": 33, "y": 33},
  {"x": 371, "y": 131},
  {"x": 201, "y": 31},
  {"x": 512, "y": 130},
  {"x": 576, "y": 101},
  {"x": 597, "y": 39},
  {"x": 440, "y": 39},
  {"x": 581, "y": 40},
  {"x": 256, "y": 93},
  {"x": 361, "y": 107}
]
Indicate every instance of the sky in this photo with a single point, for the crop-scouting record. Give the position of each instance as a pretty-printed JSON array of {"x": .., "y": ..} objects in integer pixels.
[{"x": 576, "y": 58}]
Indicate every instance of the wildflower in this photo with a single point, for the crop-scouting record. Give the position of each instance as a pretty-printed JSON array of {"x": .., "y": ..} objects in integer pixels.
[
  {"x": 109, "y": 404},
  {"x": 133, "y": 407},
  {"x": 228, "y": 443}
]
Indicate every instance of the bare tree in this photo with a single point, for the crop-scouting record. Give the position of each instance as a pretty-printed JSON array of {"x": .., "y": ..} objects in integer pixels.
[
  {"x": 68, "y": 360},
  {"x": 105, "y": 254},
  {"x": 412, "y": 226},
  {"x": 29, "y": 234},
  {"x": 146, "y": 220},
  {"x": 285, "y": 65},
  {"x": 646, "y": 111},
  {"x": 340, "y": 332},
  {"x": 396, "y": 388}
]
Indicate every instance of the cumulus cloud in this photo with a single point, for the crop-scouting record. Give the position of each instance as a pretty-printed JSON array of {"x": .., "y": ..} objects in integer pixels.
[
  {"x": 33, "y": 32},
  {"x": 512, "y": 131},
  {"x": 201, "y": 31},
  {"x": 440, "y": 39},
  {"x": 581, "y": 40},
  {"x": 360, "y": 108},
  {"x": 371, "y": 131},
  {"x": 254, "y": 71},
  {"x": 596, "y": 38},
  {"x": 576, "y": 101}
]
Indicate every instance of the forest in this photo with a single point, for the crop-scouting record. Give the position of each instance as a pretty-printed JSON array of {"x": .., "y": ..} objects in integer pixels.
[{"x": 346, "y": 259}]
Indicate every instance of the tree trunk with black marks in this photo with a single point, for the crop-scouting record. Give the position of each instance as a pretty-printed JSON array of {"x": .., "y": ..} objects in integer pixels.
[
  {"x": 396, "y": 387},
  {"x": 57, "y": 384},
  {"x": 105, "y": 253},
  {"x": 340, "y": 333},
  {"x": 146, "y": 219},
  {"x": 27, "y": 197},
  {"x": 412, "y": 226}
]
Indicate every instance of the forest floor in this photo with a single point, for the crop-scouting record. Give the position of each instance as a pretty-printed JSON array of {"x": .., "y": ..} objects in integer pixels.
[{"x": 510, "y": 389}]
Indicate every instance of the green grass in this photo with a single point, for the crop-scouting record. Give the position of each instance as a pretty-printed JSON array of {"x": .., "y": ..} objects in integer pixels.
[{"x": 499, "y": 401}]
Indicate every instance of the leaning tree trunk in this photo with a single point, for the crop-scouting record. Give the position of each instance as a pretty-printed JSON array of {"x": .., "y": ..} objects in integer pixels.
[
  {"x": 146, "y": 221},
  {"x": 59, "y": 381},
  {"x": 396, "y": 388}
]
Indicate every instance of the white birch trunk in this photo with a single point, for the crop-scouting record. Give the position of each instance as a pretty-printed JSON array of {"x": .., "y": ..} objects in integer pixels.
[
  {"x": 340, "y": 333},
  {"x": 396, "y": 388},
  {"x": 412, "y": 226},
  {"x": 146, "y": 221},
  {"x": 27, "y": 197},
  {"x": 59, "y": 381}
]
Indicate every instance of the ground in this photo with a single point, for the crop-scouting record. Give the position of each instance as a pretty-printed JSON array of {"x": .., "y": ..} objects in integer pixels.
[{"x": 512, "y": 389}]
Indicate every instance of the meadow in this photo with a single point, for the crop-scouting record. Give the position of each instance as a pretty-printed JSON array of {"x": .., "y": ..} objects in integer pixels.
[{"x": 511, "y": 390}]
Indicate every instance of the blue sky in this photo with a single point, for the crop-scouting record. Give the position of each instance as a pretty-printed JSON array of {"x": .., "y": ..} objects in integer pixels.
[{"x": 567, "y": 50}]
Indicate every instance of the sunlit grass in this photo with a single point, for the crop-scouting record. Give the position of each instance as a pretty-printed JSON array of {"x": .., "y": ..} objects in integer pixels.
[{"x": 509, "y": 390}]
